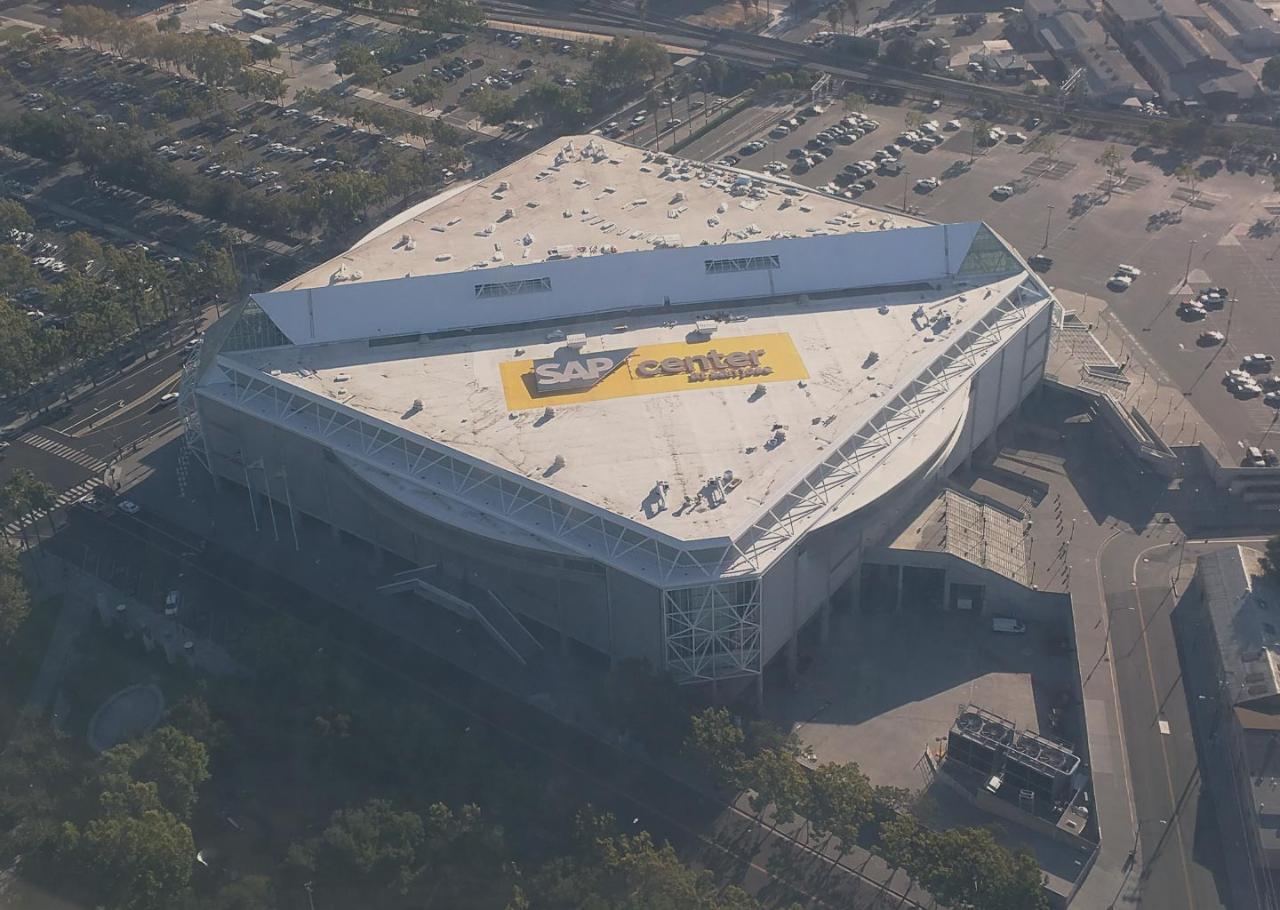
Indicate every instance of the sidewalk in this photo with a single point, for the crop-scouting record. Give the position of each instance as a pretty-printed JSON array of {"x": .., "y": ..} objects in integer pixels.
[
  {"x": 1148, "y": 387},
  {"x": 1066, "y": 545}
]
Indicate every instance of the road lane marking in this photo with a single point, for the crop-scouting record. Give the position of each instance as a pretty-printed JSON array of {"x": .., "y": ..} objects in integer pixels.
[
  {"x": 65, "y": 497},
  {"x": 65, "y": 452}
]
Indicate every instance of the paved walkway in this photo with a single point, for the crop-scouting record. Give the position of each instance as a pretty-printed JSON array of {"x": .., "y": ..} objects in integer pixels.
[{"x": 1149, "y": 389}]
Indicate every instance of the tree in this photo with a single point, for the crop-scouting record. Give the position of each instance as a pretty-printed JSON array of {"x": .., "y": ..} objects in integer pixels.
[
  {"x": 370, "y": 844},
  {"x": 1273, "y": 556},
  {"x": 13, "y": 216},
  {"x": 358, "y": 62},
  {"x": 20, "y": 349},
  {"x": 82, "y": 250},
  {"x": 1111, "y": 163},
  {"x": 1271, "y": 73},
  {"x": 170, "y": 23},
  {"x": 140, "y": 862},
  {"x": 177, "y": 763},
  {"x": 15, "y": 605},
  {"x": 266, "y": 52},
  {"x": 1189, "y": 177},
  {"x": 16, "y": 270},
  {"x": 717, "y": 742},
  {"x": 493, "y": 106},
  {"x": 852, "y": 8},
  {"x": 777, "y": 780},
  {"x": 609, "y": 871},
  {"x": 23, "y": 492},
  {"x": 900, "y": 52},
  {"x": 980, "y": 136},
  {"x": 253, "y": 892},
  {"x": 838, "y": 803}
]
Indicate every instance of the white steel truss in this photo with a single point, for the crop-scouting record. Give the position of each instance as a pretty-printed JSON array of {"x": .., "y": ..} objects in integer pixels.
[
  {"x": 601, "y": 535},
  {"x": 840, "y": 472},
  {"x": 192, "y": 430},
  {"x": 712, "y": 631}
]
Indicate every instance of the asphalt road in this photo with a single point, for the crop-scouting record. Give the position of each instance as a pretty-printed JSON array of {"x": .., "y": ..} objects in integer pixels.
[
  {"x": 72, "y": 449},
  {"x": 1174, "y": 820}
]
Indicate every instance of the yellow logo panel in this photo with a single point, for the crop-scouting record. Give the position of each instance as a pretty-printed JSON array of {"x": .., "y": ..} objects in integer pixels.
[{"x": 572, "y": 377}]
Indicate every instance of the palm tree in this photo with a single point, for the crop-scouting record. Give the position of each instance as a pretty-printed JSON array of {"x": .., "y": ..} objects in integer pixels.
[
  {"x": 15, "y": 501},
  {"x": 652, "y": 99},
  {"x": 43, "y": 498},
  {"x": 852, "y": 7}
]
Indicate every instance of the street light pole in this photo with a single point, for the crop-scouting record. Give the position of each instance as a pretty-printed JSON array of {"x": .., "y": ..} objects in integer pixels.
[
  {"x": 1047, "y": 221},
  {"x": 905, "y": 174}
]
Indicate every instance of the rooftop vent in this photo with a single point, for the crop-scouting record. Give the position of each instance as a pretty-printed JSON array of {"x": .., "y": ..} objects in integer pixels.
[{"x": 575, "y": 340}]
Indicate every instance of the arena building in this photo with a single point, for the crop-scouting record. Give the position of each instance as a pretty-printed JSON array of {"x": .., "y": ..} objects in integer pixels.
[{"x": 654, "y": 406}]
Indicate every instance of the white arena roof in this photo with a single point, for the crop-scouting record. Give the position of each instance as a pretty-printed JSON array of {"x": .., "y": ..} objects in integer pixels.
[
  {"x": 681, "y": 413},
  {"x": 585, "y": 195},
  {"x": 615, "y": 449}
]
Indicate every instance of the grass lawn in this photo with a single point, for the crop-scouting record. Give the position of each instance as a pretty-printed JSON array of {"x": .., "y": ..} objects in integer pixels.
[
  {"x": 20, "y": 660},
  {"x": 11, "y": 33}
]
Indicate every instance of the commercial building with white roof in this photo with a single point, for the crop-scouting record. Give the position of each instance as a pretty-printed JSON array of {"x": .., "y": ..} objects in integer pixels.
[{"x": 655, "y": 406}]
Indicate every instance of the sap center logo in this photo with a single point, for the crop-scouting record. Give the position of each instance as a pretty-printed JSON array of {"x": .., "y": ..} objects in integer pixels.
[{"x": 572, "y": 371}]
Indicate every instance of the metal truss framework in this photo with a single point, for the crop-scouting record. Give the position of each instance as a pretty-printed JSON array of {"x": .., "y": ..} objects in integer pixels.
[
  {"x": 841, "y": 471},
  {"x": 192, "y": 430},
  {"x": 595, "y": 533},
  {"x": 712, "y": 631}
]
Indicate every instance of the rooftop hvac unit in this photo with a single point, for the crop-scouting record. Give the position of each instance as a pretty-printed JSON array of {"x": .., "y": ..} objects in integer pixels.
[
  {"x": 575, "y": 340},
  {"x": 705, "y": 327}
]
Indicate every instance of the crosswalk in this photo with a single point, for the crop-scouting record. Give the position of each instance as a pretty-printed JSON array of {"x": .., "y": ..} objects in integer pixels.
[
  {"x": 65, "y": 497},
  {"x": 75, "y": 456}
]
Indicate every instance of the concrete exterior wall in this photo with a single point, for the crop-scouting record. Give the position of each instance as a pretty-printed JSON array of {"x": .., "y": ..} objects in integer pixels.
[
  {"x": 604, "y": 609},
  {"x": 434, "y": 303},
  {"x": 612, "y": 612}
]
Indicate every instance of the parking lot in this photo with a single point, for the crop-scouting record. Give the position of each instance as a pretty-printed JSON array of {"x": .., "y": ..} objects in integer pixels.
[
  {"x": 229, "y": 167},
  {"x": 1220, "y": 234},
  {"x": 429, "y": 74}
]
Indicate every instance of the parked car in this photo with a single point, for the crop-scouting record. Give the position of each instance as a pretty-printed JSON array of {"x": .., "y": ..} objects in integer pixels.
[
  {"x": 1008, "y": 625},
  {"x": 128, "y": 507}
]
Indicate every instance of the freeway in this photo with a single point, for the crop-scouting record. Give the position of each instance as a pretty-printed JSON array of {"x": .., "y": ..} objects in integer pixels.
[{"x": 769, "y": 52}]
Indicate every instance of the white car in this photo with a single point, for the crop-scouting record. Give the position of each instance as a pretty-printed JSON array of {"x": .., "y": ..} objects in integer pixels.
[
  {"x": 128, "y": 507},
  {"x": 1004, "y": 191},
  {"x": 928, "y": 183},
  {"x": 1119, "y": 282},
  {"x": 1128, "y": 271},
  {"x": 953, "y": 125},
  {"x": 1208, "y": 338},
  {"x": 168, "y": 397}
]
